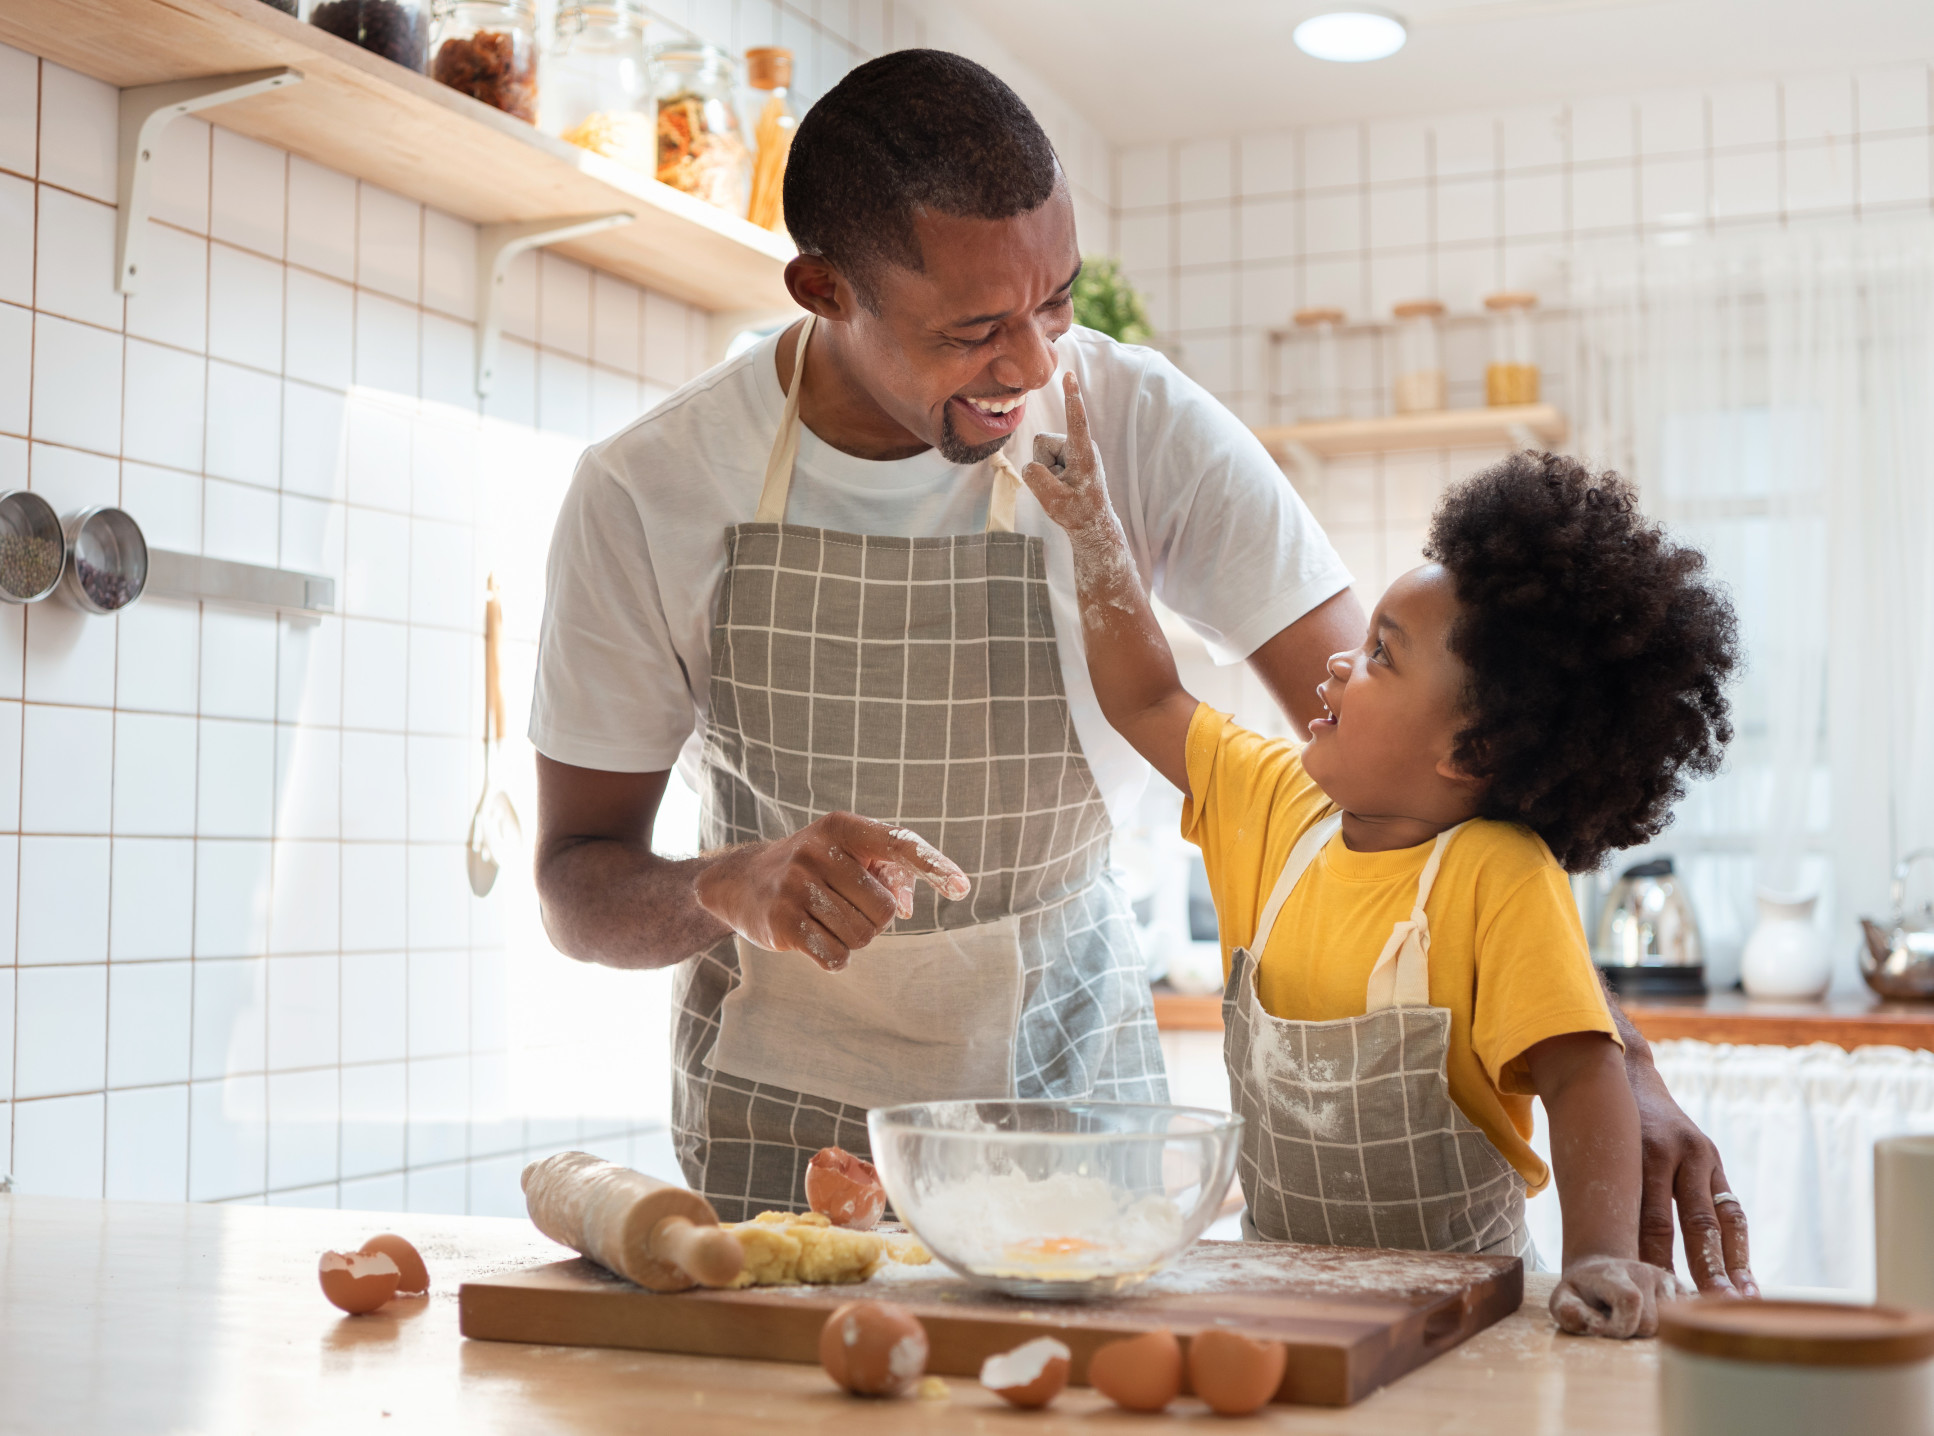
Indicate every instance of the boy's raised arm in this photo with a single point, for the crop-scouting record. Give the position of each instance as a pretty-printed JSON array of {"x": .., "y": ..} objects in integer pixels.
[{"x": 1128, "y": 658}]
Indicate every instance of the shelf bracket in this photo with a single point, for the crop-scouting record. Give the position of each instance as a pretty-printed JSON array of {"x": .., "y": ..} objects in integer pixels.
[
  {"x": 1305, "y": 459},
  {"x": 497, "y": 246},
  {"x": 191, "y": 577},
  {"x": 147, "y": 110}
]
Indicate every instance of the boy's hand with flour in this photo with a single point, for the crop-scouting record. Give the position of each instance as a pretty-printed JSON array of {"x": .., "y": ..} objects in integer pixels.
[{"x": 1521, "y": 705}]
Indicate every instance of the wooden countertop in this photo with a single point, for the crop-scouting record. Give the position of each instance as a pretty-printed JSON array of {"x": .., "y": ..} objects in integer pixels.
[
  {"x": 131, "y": 1318},
  {"x": 1851, "y": 1021}
]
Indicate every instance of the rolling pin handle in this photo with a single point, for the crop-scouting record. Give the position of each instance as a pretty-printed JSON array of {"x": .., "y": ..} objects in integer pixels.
[{"x": 711, "y": 1256}]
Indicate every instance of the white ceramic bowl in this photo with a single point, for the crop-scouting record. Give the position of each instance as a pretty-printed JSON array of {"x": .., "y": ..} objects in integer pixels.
[{"x": 1064, "y": 1200}]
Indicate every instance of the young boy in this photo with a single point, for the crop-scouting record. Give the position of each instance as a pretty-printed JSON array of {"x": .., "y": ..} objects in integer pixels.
[{"x": 1406, "y": 967}]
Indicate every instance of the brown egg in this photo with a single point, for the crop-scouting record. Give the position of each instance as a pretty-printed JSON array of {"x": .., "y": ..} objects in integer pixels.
[
  {"x": 413, "y": 1278},
  {"x": 1139, "y": 1373},
  {"x": 1234, "y": 1374},
  {"x": 873, "y": 1348},
  {"x": 1030, "y": 1375},
  {"x": 358, "y": 1281},
  {"x": 844, "y": 1189}
]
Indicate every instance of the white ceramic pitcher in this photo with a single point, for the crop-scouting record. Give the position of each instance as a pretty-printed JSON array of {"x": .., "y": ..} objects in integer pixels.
[{"x": 1785, "y": 956}]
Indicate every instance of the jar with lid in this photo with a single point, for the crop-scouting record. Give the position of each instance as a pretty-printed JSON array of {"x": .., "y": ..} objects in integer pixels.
[
  {"x": 1319, "y": 365},
  {"x": 592, "y": 81},
  {"x": 701, "y": 146},
  {"x": 398, "y": 30},
  {"x": 1512, "y": 375},
  {"x": 1419, "y": 386},
  {"x": 488, "y": 50},
  {"x": 768, "y": 70}
]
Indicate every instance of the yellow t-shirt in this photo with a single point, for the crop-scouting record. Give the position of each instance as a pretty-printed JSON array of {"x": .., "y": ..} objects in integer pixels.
[{"x": 1507, "y": 951}]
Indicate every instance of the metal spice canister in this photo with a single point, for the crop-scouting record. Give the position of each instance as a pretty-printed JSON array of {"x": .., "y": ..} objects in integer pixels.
[
  {"x": 107, "y": 560},
  {"x": 32, "y": 551},
  {"x": 398, "y": 30},
  {"x": 488, "y": 50}
]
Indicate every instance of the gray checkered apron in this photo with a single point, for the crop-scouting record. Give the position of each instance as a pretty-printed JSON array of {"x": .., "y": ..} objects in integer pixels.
[
  {"x": 916, "y": 681},
  {"x": 1351, "y": 1137}
]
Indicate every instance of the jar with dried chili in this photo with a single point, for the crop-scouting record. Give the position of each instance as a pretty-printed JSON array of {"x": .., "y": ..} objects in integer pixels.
[
  {"x": 701, "y": 144},
  {"x": 488, "y": 50}
]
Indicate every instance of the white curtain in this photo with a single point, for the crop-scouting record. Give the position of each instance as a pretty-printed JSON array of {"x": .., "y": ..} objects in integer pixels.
[{"x": 1772, "y": 396}]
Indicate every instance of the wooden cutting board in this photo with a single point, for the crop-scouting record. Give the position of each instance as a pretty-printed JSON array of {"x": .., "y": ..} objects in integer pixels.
[{"x": 1353, "y": 1320}]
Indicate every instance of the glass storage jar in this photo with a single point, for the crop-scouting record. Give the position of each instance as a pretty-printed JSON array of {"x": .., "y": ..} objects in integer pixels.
[
  {"x": 1319, "y": 365},
  {"x": 701, "y": 147},
  {"x": 592, "y": 82},
  {"x": 768, "y": 70},
  {"x": 1512, "y": 375},
  {"x": 1419, "y": 386},
  {"x": 488, "y": 50},
  {"x": 397, "y": 30}
]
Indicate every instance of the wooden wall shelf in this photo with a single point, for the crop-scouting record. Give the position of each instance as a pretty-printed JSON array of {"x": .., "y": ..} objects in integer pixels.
[
  {"x": 1516, "y": 426},
  {"x": 365, "y": 116},
  {"x": 1854, "y": 1021}
]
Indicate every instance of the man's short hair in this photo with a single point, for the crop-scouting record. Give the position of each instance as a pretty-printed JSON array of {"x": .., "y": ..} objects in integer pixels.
[{"x": 914, "y": 130}]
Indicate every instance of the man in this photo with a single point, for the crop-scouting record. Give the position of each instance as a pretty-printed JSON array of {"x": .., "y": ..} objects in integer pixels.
[{"x": 810, "y": 577}]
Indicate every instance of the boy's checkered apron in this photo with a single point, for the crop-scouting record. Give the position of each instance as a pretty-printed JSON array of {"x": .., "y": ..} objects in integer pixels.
[
  {"x": 917, "y": 681},
  {"x": 1351, "y": 1137}
]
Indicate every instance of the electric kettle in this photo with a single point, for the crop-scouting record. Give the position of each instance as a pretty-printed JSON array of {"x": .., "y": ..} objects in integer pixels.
[
  {"x": 1898, "y": 961},
  {"x": 1648, "y": 937}
]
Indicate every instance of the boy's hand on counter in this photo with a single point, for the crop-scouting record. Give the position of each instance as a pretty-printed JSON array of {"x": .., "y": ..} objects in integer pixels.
[{"x": 1611, "y": 1296}]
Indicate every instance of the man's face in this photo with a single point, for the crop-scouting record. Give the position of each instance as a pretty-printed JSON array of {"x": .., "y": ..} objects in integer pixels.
[{"x": 957, "y": 345}]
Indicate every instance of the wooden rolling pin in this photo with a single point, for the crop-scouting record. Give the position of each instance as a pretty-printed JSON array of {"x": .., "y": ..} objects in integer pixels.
[{"x": 663, "y": 1237}]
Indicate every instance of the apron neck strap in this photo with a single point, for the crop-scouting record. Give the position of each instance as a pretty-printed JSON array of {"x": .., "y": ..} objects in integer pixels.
[
  {"x": 1401, "y": 977},
  {"x": 785, "y": 453},
  {"x": 1300, "y": 857}
]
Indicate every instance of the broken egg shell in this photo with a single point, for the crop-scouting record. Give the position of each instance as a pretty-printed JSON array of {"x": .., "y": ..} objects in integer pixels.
[
  {"x": 1139, "y": 1373},
  {"x": 873, "y": 1348},
  {"x": 1234, "y": 1374},
  {"x": 1029, "y": 1376},
  {"x": 413, "y": 1278},
  {"x": 844, "y": 1189},
  {"x": 357, "y": 1281}
]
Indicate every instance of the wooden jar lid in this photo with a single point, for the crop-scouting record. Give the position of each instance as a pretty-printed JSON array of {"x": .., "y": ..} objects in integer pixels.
[
  {"x": 1307, "y": 317},
  {"x": 768, "y": 67},
  {"x": 1418, "y": 309},
  {"x": 1798, "y": 1333},
  {"x": 1511, "y": 299}
]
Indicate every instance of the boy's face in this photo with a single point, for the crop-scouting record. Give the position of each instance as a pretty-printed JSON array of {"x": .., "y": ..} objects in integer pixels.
[{"x": 1395, "y": 708}]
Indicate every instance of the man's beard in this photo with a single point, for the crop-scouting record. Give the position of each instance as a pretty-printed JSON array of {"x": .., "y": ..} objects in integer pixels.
[{"x": 955, "y": 451}]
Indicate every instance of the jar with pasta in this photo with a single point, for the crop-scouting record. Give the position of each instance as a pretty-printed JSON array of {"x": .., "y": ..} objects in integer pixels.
[
  {"x": 1319, "y": 365},
  {"x": 701, "y": 146},
  {"x": 1512, "y": 375},
  {"x": 592, "y": 87},
  {"x": 768, "y": 70},
  {"x": 1419, "y": 366},
  {"x": 488, "y": 50}
]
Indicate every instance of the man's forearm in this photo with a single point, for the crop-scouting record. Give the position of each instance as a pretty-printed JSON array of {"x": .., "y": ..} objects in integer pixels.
[{"x": 621, "y": 905}]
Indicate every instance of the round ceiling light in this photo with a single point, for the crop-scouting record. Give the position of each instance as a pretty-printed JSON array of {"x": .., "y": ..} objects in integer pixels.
[{"x": 1350, "y": 36}]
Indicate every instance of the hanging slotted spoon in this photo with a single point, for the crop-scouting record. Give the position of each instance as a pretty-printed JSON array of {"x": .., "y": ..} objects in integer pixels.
[{"x": 495, "y": 832}]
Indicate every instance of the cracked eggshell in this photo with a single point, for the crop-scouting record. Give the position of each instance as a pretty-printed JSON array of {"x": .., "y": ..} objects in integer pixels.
[
  {"x": 1029, "y": 1376},
  {"x": 844, "y": 1189},
  {"x": 413, "y": 1278},
  {"x": 357, "y": 1281},
  {"x": 1139, "y": 1373},
  {"x": 873, "y": 1348},
  {"x": 1234, "y": 1374}
]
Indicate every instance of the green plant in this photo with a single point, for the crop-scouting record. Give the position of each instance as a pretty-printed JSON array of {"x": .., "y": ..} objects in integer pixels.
[{"x": 1105, "y": 300}]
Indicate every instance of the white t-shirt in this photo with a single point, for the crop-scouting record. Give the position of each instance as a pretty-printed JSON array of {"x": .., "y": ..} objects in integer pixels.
[{"x": 624, "y": 660}]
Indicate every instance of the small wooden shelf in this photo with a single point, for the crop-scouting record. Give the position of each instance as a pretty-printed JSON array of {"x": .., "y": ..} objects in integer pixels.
[
  {"x": 367, "y": 117},
  {"x": 1853, "y": 1021},
  {"x": 1444, "y": 429}
]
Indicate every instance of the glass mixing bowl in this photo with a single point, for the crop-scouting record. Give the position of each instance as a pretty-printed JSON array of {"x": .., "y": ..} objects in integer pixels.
[{"x": 1065, "y": 1200}]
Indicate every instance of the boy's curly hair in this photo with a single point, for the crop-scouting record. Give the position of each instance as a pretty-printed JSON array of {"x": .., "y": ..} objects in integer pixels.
[{"x": 1598, "y": 650}]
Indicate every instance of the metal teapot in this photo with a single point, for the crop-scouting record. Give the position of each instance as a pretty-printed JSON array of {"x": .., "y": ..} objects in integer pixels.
[
  {"x": 1898, "y": 961},
  {"x": 1648, "y": 937}
]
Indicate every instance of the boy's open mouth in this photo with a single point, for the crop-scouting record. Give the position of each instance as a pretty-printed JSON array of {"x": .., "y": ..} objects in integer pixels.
[{"x": 1328, "y": 720}]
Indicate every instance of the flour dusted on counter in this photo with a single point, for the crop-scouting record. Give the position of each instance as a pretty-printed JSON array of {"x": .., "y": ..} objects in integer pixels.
[{"x": 1065, "y": 1224}]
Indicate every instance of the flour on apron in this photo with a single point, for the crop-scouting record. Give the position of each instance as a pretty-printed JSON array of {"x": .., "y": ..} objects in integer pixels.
[
  {"x": 916, "y": 681},
  {"x": 1351, "y": 1137}
]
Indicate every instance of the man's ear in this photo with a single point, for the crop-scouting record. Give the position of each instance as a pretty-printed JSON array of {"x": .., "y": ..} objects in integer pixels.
[{"x": 819, "y": 288}]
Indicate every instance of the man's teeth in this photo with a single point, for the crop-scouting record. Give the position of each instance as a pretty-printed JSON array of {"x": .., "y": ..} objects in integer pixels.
[{"x": 996, "y": 406}]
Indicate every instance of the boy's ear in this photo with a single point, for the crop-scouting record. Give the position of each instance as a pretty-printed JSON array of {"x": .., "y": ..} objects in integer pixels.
[{"x": 1449, "y": 767}]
